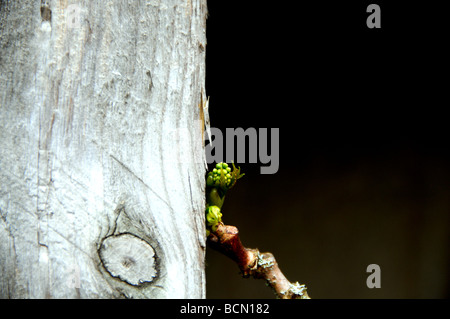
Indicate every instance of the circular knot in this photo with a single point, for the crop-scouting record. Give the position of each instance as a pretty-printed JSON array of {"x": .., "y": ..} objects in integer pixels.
[{"x": 128, "y": 258}]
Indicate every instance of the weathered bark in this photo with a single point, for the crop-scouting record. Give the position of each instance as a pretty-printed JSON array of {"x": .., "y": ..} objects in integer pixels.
[{"x": 100, "y": 197}]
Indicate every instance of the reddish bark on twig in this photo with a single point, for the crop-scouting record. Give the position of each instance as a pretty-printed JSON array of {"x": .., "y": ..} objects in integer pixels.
[{"x": 253, "y": 263}]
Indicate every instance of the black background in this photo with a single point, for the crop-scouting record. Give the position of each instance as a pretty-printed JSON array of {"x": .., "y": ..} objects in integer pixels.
[{"x": 364, "y": 156}]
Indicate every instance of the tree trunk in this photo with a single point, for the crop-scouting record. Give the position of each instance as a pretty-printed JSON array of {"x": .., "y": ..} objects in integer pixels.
[{"x": 101, "y": 162}]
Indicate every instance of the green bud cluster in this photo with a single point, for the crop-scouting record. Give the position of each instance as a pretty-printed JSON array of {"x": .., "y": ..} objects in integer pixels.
[
  {"x": 222, "y": 171},
  {"x": 218, "y": 182},
  {"x": 222, "y": 176}
]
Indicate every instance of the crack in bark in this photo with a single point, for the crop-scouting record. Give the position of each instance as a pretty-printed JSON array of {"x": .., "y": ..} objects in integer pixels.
[{"x": 139, "y": 179}]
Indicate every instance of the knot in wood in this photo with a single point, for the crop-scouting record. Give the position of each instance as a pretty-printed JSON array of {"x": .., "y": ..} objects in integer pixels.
[{"x": 128, "y": 258}]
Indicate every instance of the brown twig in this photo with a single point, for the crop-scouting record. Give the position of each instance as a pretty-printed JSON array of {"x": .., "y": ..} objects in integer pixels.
[{"x": 253, "y": 263}]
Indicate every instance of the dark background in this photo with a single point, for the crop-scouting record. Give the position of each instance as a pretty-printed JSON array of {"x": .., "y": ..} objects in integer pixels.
[{"x": 364, "y": 172}]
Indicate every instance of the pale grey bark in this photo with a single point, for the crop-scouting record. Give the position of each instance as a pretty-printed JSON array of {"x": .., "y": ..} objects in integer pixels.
[{"x": 89, "y": 111}]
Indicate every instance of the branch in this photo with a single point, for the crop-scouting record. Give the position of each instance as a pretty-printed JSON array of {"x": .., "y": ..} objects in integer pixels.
[
  {"x": 226, "y": 239},
  {"x": 251, "y": 262}
]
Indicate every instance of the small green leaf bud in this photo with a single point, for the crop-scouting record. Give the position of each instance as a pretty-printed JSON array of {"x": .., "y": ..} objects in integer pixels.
[
  {"x": 213, "y": 217},
  {"x": 210, "y": 180}
]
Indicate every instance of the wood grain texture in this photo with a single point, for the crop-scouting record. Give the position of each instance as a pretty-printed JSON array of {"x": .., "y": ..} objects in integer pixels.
[{"x": 89, "y": 110}]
